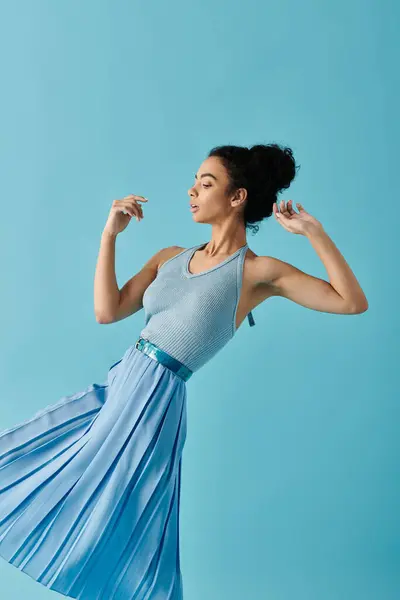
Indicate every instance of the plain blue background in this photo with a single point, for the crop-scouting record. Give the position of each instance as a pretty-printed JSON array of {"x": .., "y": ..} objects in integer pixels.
[{"x": 290, "y": 471}]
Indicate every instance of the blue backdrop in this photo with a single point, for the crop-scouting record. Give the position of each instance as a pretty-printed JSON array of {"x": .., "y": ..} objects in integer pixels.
[{"x": 290, "y": 483}]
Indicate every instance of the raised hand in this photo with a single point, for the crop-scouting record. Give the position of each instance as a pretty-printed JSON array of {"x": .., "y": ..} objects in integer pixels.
[
  {"x": 122, "y": 211},
  {"x": 299, "y": 223}
]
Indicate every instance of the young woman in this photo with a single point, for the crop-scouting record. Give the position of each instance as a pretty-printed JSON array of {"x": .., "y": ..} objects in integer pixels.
[{"x": 90, "y": 486}]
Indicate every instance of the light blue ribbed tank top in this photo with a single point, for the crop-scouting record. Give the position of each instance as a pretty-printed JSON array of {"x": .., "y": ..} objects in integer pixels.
[{"x": 191, "y": 316}]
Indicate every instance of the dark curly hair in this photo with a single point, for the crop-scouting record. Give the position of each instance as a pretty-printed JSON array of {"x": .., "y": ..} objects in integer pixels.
[{"x": 264, "y": 170}]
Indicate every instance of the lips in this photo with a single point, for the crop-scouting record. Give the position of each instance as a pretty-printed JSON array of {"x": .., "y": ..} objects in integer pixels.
[{"x": 194, "y": 208}]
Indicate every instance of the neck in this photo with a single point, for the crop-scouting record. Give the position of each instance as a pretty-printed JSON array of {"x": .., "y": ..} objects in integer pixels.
[{"x": 222, "y": 244}]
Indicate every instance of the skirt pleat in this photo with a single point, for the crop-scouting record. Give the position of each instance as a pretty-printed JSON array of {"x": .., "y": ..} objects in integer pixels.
[{"x": 90, "y": 487}]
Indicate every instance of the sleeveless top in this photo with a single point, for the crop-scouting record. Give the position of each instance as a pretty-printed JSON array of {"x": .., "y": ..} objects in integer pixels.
[{"x": 191, "y": 316}]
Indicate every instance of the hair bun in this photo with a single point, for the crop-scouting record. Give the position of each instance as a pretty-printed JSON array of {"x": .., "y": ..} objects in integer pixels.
[{"x": 275, "y": 163}]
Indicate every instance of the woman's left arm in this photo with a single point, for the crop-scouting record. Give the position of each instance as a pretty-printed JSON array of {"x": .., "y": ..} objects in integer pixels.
[{"x": 342, "y": 294}]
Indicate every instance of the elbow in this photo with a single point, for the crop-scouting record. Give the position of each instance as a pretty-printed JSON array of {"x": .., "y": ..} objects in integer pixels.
[
  {"x": 103, "y": 319},
  {"x": 362, "y": 308},
  {"x": 359, "y": 304}
]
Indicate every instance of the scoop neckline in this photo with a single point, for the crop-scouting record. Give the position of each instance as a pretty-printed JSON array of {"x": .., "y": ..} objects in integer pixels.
[{"x": 191, "y": 254}]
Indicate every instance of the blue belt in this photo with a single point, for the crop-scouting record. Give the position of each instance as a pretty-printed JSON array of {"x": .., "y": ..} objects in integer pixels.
[{"x": 164, "y": 358}]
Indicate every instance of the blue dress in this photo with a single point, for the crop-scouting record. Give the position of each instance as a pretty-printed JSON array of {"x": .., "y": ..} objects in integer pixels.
[{"x": 90, "y": 486}]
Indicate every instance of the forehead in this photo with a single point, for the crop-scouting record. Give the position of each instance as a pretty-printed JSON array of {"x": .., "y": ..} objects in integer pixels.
[{"x": 213, "y": 165}]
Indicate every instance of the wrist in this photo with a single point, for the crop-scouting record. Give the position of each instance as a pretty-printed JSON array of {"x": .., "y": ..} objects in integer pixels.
[
  {"x": 314, "y": 231},
  {"x": 108, "y": 234}
]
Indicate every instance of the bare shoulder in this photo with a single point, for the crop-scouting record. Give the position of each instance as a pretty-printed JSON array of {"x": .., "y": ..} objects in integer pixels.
[
  {"x": 166, "y": 253},
  {"x": 267, "y": 276},
  {"x": 263, "y": 270}
]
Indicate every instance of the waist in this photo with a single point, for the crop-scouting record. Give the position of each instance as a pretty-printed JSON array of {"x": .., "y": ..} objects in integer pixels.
[{"x": 164, "y": 358}]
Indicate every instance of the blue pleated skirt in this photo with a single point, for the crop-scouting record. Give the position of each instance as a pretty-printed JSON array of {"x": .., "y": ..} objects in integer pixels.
[{"x": 90, "y": 487}]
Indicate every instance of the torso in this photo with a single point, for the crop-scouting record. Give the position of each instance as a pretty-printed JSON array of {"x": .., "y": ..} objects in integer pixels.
[{"x": 252, "y": 292}]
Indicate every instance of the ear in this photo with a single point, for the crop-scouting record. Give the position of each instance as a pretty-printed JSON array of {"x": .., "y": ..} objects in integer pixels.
[{"x": 240, "y": 196}]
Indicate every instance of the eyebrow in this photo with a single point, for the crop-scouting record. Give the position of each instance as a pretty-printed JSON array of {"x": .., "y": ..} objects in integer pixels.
[{"x": 204, "y": 174}]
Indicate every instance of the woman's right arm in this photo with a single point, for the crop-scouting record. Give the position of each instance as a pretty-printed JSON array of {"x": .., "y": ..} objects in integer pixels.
[{"x": 112, "y": 304}]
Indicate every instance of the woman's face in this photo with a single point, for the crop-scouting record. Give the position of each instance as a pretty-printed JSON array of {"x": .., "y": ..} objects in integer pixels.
[{"x": 208, "y": 193}]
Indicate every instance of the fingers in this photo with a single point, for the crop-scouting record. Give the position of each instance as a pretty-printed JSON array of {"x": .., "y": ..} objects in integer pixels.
[
  {"x": 140, "y": 198},
  {"x": 288, "y": 208},
  {"x": 281, "y": 218},
  {"x": 132, "y": 199},
  {"x": 282, "y": 210},
  {"x": 129, "y": 205},
  {"x": 136, "y": 207},
  {"x": 285, "y": 211}
]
